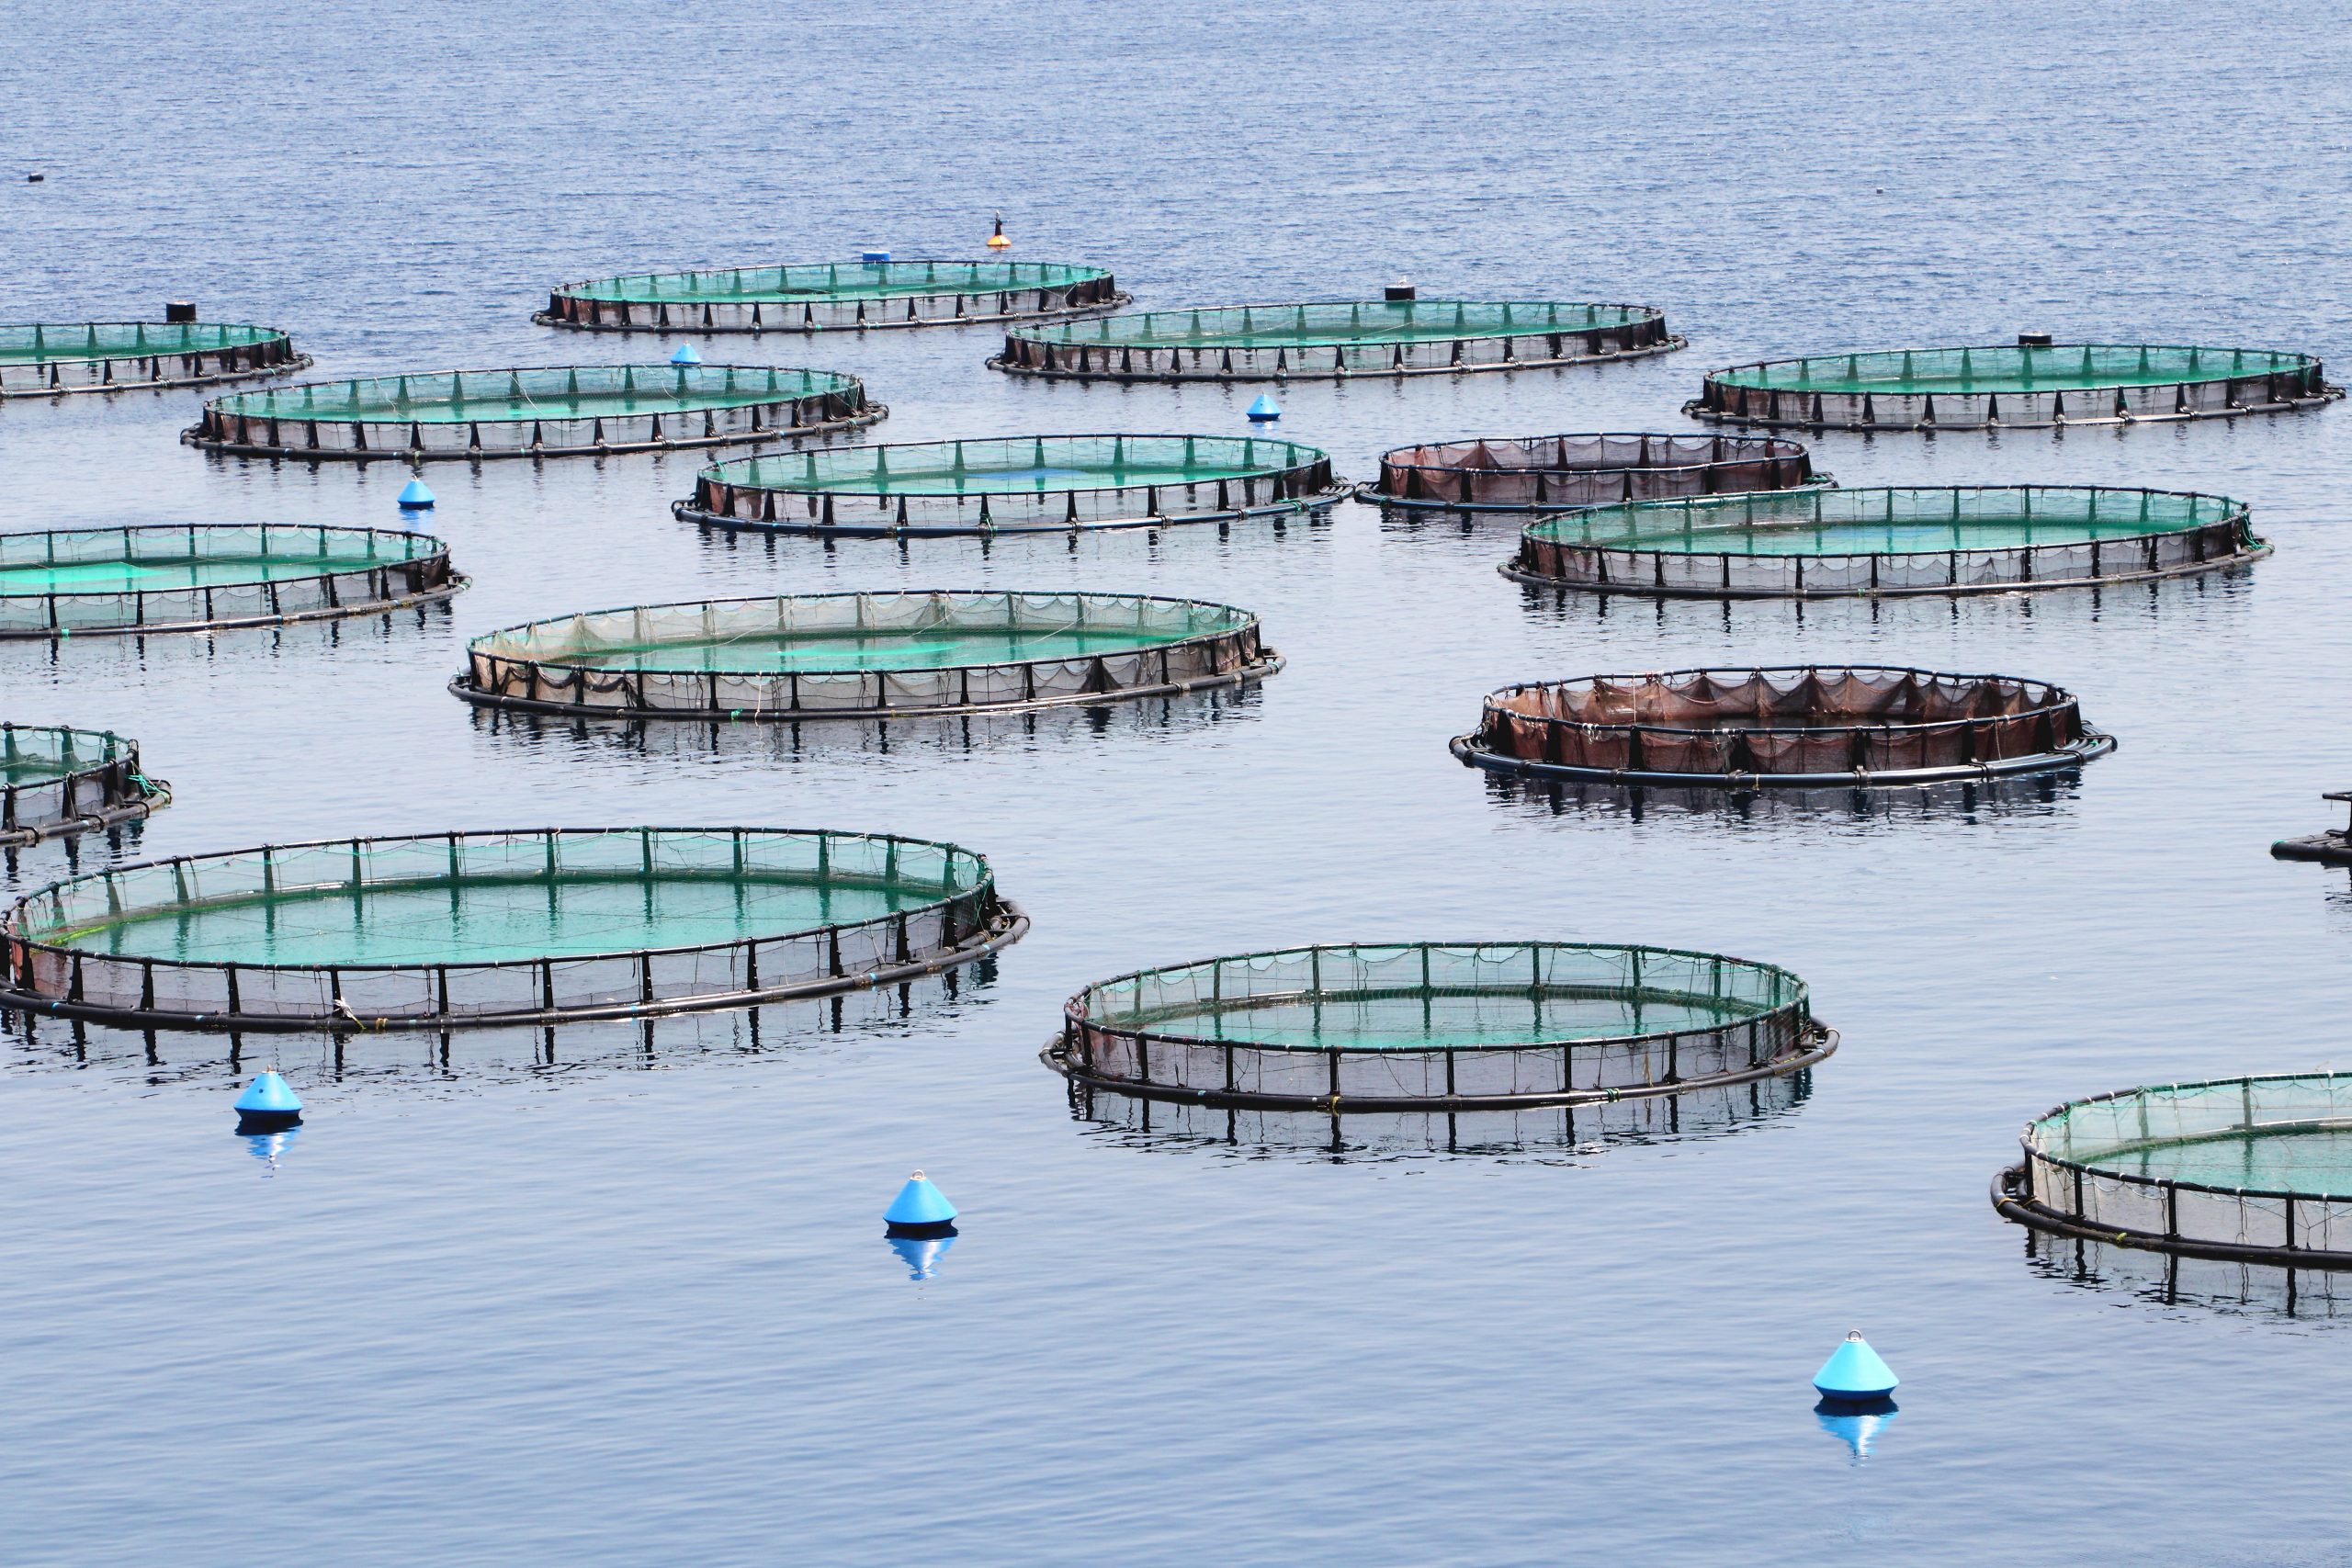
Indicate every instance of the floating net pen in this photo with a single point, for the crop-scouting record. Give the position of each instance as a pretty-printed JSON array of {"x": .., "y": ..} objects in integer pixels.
[
  {"x": 1790, "y": 727},
  {"x": 1530, "y": 473},
  {"x": 1467, "y": 1026},
  {"x": 2252, "y": 1170},
  {"x": 1024, "y": 484},
  {"x": 55, "y": 782},
  {"x": 831, "y": 296},
  {"x": 451, "y": 929},
  {"x": 1819, "y": 544},
  {"x": 194, "y": 577},
  {"x": 562, "y": 410},
  {"x": 2027, "y": 384},
  {"x": 1410, "y": 337},
  {"x": 48, "y": 358},
  {"x": 862, "y": 656}
]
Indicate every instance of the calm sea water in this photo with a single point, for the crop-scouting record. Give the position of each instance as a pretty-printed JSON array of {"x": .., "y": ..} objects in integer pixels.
[{"x": 636, "y": 1305}]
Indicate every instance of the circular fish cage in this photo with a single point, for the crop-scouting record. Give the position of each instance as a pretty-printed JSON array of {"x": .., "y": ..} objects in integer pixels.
[
  {"x": 166, "y": 577},
  {"x": 1531, "y": 473},
  {"x": 49, "y": 358},
  {"x": 1431, "y": 1026},
  {"x": 1794, "y": 727},
  {"x": 1024, "y": 484},
  {"x": 831, "y": 296},
  {"x": 462, "y": 930},
  {"x": 1821, "y": 544},
  {"x": 1336, "y": 339},
  {"x": 2251, "y": 1169},
  {"x": 55, "y": 782},
  {"x": 557, "y": 412},
  {"x": 864, "y": 656},
  {"x": 2016, "y": 385}
]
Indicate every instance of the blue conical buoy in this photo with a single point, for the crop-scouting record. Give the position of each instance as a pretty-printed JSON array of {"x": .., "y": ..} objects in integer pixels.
[
  {"x": 415, "y": 497},
  {"x": 1855, "y": 1422},
  {"x": 1265, "y": 411},
  {"x": 920, "y": 1209},
  {"x": 685, "y": 354},
  {"x": 1855, "y": 1372},
  {"x": 921, "y": 1254},
  {"x": 269, "y": 1105}
]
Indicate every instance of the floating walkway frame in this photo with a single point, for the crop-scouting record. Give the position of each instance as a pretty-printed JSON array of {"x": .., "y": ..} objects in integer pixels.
[
  {"x": 2027, "y": 385},
  {"x": 559, "y": 412},
  {"x": 1340, "y": 339},
  {"x": 1439, "y": 1026},
  {"x": 2331, "y": 846},
  {"x": 2250, "y": 1170},
  {"x": 864, "y": 656},
  {"x": 1824, "y": 543},
  {"x": 832, "y": 296},
  {"x": 175, "y": 577},
  {"x": 52, "y": 358},
  {"x": 1796, "y": 727},
  {"x": 1022, "y": 484},
  {"x": 55, "y": 782},
  {"x": 471, "y": 930},
  {"x": 1535, "y": 473}
]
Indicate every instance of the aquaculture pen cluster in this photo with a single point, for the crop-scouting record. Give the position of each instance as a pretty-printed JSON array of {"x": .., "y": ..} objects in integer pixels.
[{"x": 537, "y": 925}]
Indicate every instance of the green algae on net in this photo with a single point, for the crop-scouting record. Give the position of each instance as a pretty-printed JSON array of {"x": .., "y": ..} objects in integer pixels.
[
  {"x": 1015, "y": 484},
  {"x": 1336, "y": 339},
  {"x": 190, "y": 577},
  {"x": 557, "y": 410},
  {"x": 445, "y": 930},
  {"x": 50, "y": 359},
  {"x": 1438, "y": 1025},
  {"x": 2028, "y": 384},
  {"x": 832, "y": 296},
  {"x": 2254, "y": 1169},
  {"x": 864, "y": 656},
  {"x": 1928, "y": 539}
]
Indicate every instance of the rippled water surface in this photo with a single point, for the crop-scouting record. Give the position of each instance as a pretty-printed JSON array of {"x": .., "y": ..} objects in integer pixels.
[{"x": 623, "y": 1296}]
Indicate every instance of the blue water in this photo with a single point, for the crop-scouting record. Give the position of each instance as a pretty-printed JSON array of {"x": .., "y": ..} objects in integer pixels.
[{"x": 636, "y": 1306}]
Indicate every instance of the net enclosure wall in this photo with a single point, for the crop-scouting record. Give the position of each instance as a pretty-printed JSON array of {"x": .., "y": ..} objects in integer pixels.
[
  {"x": 1025, "y": 484},
  {"x": 562, "y": 410},
  {"x": 1483, "y": 1025},
  {"x": 46, "y": 359},
  {"x": 456, "y": 930},
  {"x": 1794, "y": 725},
  {"x": 191, "y": 577},
  {"x": 864, "y": 655},
  {"x": 56, "y": 781},
  {"x": 2257, "y": 1169},
  {"x": 1534, "y": 472},
  {"x": 2016, "y": 386},
  {"x": 1346, "y": 338},
  {"x": 1934, "y": 539},
  {"x": 831, "y": 296}
]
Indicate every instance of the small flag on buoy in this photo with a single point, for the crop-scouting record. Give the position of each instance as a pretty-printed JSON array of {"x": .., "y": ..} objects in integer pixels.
[
  {"x": 920, "y": 1209},
  {"x": 685, "y": 354},
  {"x": 1265, "y": 411},
  {"x": 1854, "y": 1372},
  {"x": 415, "y": 497},
  {"x": 997, "y": 241},
  {"x": 269, "y": 1105}
]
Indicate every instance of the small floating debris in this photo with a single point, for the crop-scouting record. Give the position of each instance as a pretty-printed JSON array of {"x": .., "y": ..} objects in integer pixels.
[
  {"x": 1855, "y": 1372},
  {"x": 269, "y": 1105},
  {"x": 921, "y": 1209},
  {"x": 1265, "y": 411},
  {"x": 2331, "y": 847}
]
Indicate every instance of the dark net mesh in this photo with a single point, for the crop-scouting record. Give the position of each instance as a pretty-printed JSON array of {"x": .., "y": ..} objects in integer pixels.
[
  {"x": 65, "y": 781},
  {"x": 1523, "y": 473}
]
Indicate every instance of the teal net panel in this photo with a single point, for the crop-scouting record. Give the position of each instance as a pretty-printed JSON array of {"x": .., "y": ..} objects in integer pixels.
[
  {"x": 1535, "y": 473},
  {"x": 863, "y": 656},
  {"x": 561, "y": 411},
  {"x": 2256, "y": 1169},
  {"x": 54, "y": 781},
  {"x": 1015, "y": 485},
  {"x": 1938, "y": 539},
  {"x": 2025, "y": 385},
  {"x": 465, "y": 928},
  {"x": 191, "y": 577},
  {"x": 1346, "y": 338},
  {"x": 831, "y": 296},
  {"x": 1481, "y": 1024},
  {"x": 46, "y": 359}
]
